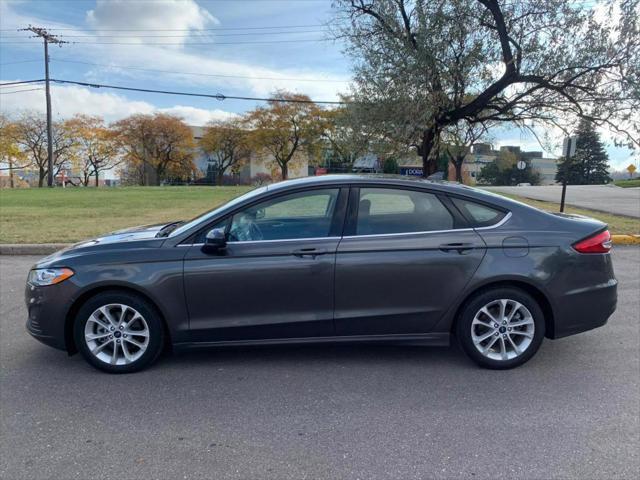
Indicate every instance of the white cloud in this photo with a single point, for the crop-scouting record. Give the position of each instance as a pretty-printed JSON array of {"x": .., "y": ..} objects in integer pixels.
[
  {"x": 197, "y": 116},
  {"x": 177, "y": 15},
  {"x": 68, "y": 101}
]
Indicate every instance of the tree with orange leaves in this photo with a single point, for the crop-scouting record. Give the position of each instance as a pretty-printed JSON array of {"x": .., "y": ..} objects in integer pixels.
[
  {"x": 156, "y": 147},
  {"x": 285, "y": 128},
  {"x": 95, "y": 147}
]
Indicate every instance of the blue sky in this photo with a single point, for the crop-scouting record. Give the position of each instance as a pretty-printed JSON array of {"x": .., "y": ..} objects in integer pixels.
[{"x": 236, "y": 47}]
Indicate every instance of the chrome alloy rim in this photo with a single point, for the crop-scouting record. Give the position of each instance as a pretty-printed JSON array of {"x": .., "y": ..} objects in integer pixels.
[
  {"x": 503, "y": 329},
  {"x": 116, "y": 334}
]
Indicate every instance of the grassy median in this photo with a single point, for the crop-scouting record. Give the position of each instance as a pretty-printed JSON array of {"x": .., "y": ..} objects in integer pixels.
[{"x": 41, "y": 215}]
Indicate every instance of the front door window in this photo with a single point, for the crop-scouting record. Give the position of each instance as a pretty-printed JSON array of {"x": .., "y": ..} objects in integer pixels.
[{"x": 295, "y": 216}]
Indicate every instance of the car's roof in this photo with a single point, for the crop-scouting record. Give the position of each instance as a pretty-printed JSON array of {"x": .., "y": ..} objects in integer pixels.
[
  {"x": 395, "y": 180},
  {"x": 353, "y": 178}
]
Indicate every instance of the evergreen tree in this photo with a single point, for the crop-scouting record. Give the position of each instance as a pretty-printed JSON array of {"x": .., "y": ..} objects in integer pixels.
[{"x": 590, "y": 164}]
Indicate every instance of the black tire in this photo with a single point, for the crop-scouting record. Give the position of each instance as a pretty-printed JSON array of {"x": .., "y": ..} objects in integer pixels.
[
  {"x": 473, "y": 306},
  {"x": 148, "y": 312}
]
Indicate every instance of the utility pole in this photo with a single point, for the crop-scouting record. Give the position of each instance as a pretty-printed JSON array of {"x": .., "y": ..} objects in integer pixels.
[
  {"x": 47, "y": 39},
  {"x": 568, "y": 151}
]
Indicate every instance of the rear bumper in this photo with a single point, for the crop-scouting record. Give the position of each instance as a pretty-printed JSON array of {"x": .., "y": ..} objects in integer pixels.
[{"x": 584, "y": 309}]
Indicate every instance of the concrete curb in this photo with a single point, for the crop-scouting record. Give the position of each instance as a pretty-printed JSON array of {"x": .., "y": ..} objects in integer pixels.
[
  {"x": 48, "y": 248},
  {"x": 625, "y": 239},
  {"x": 31, "y": 248}
]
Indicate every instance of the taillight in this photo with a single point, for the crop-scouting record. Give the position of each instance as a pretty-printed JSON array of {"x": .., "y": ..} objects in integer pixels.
[{"x": 598, "y": 243}]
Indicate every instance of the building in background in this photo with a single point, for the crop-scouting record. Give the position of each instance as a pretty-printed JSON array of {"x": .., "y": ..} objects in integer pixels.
[
  {"x": 483, "y": 153},
  {"x": 257, "y": 164}
]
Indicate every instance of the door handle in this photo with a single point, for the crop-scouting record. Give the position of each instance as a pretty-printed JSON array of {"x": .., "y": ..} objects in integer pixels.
[
  {"x": 459, "y": 247},
  {"x": 309, "y": 252}
]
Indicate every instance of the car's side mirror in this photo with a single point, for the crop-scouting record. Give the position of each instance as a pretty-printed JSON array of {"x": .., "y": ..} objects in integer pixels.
[{"x": 215, "y": 240}]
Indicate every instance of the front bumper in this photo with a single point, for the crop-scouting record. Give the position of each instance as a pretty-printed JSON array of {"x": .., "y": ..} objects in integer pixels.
[
  {"x": 47, "y": 309},
  {"x": 584, "y": 309}
]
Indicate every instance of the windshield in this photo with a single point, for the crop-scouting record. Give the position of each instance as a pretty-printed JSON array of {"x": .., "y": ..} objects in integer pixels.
[{"x": 211, "y": 213}]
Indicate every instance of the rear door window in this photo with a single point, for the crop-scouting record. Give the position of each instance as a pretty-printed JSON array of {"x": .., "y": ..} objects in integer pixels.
[{"x": 387, "y": 210}]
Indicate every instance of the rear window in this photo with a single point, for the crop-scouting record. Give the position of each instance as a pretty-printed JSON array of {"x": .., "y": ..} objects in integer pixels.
[{"x": 478, "y": 214}]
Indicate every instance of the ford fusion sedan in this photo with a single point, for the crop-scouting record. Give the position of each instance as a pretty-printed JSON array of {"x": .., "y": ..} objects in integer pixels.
[{"x": 345, "y": 258}]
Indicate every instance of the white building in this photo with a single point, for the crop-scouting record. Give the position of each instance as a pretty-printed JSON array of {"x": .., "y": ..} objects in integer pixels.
[{"x": 258, "y": 163}]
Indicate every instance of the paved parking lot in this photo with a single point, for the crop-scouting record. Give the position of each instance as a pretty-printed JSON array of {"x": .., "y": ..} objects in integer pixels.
[
  {"x": 325, "y": 412},
  {"x": 604, "y": 198}
]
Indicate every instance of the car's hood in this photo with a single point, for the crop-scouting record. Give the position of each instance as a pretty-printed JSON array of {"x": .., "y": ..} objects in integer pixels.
[
  {"x": 135, "y": 237},
  {"x": 142, "y": 232}
]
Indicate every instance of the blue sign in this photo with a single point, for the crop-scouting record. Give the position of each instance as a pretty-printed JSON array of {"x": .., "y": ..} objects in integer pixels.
[{"x": 411, "y": 171}]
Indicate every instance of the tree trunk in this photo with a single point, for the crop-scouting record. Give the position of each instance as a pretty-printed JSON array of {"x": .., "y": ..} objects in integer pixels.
[
  {"x": 41, "y": 176},
  {"x": 97, "y": 179},
  {"x": 11, "y": 184},
  {"x": 458, "y": 166},
  {"x": 285, "y": 170},
  {"x": 219, "y": 177},
  {"x": 429, "y": 138}
]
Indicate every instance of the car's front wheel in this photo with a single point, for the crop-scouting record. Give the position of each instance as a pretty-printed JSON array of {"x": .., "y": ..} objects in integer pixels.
[
  {"x": 501, "y": 328},
  {"x": 118, "y": 332}
]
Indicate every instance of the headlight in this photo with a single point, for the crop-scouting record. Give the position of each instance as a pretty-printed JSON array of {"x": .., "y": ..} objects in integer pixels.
[{"x": 48, "y": 276}]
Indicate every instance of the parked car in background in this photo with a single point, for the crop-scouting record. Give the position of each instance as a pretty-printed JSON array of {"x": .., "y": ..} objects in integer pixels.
[{"x": 333, "y": 258}]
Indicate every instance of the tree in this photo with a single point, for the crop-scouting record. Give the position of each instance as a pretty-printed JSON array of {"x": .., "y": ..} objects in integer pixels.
[
  {"x": 30, "y": 133},
  {"x": 226, "y": 146},
  {"x": 458, "y": 140},
  {"x": 347, "y": 139},
  {"x": 10, "y": 152},
  {"x": 95, "y": 147},
  {"x": 156, "y": 147},
  {"x": 284, "y": 129},
  {"x": 590, "y": 165},
  {"x": 421, "y": 65}
]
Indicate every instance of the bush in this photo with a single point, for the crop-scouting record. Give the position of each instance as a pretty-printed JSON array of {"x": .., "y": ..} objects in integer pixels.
[
  {"x": 261, "y": 179},
  {"x": 390, "y": 165}
]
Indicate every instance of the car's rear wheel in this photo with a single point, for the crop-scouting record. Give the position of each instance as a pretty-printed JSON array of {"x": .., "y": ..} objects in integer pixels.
[
  {"x": 501, "y": 328},
  {"x": 118, "y": 332}
]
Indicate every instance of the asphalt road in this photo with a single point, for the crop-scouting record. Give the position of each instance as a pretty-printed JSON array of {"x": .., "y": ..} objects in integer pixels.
[
  {"x": 325, "y": 412},
  {"x": 604, "y": 198}
]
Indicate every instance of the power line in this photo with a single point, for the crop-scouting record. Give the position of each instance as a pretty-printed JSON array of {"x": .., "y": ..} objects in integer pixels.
[
  {"x": 271, "y": 27},
  {"x": 217, "y": 96},
  {"x": 20, "y": 91},
  {"x": 303, "y": 40},
  {"x": 265, "y": 42},
  {"x": 20, "y": 61},
  {"x": 21, "y": 82},
  {"x": 194, "y": 34},
  {"x": 197, "y": 74}
]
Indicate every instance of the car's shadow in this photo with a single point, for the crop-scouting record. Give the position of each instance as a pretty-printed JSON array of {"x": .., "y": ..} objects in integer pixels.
[{"x": 354, "y": 354}]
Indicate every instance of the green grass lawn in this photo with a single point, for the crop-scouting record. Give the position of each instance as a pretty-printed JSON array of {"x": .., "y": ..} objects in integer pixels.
[
  {"x": 628, "y": 183},
  {"x": 41, "y": 215}
]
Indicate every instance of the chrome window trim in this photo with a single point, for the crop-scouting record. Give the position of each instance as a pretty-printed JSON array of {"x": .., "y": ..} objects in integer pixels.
[
  {"x": 263, "y": 241},
  {"x": 500, "y": 223},
  {"x": 404, "y": 234},
  {"x": 504, "y": 220}
]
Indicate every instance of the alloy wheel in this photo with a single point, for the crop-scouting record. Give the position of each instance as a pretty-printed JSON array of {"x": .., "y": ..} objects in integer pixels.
[
  {"x": 116, "y": 334},
  {"x": 503, "y": 329}
]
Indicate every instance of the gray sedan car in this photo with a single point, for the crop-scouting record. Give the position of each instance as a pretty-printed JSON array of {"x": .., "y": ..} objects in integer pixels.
[{"x": 345, "y": 258}]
